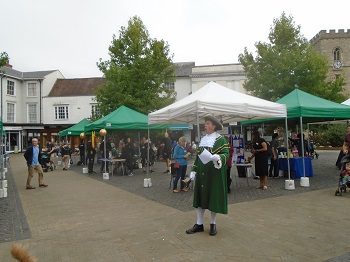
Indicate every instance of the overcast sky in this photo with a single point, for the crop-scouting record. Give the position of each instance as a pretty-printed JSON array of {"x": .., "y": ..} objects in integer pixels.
[{"x": 72, "y": 35}]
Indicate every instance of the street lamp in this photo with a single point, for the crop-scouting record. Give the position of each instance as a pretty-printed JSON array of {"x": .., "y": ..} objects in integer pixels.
[{"x": 103, "y": 133}]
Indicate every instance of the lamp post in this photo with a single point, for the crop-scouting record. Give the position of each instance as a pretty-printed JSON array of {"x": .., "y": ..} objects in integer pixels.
[
  {"x": 103, "y": 133},
  {"x": 82, "y": 136}
]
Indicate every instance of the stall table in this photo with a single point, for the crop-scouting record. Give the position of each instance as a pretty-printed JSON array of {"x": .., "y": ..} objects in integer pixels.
[
  {"x": 114, "y": 163},
  {"x": 296, "y": 166}
]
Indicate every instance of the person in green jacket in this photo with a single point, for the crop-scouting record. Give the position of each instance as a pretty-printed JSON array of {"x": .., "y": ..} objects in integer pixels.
[{"x": 209, "y": 172}]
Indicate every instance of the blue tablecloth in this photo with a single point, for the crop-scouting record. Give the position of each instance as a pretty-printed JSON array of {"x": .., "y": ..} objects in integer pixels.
[{"x": 296, "y": 166}]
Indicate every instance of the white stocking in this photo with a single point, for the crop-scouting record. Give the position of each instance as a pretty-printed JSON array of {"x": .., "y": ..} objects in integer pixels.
[
  {"x": 213, "y": 218},
  {"x": 200, "y": 214}
]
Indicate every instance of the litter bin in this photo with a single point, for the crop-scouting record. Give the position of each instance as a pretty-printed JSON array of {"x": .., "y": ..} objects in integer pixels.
[{"x": 16, "y": 150}]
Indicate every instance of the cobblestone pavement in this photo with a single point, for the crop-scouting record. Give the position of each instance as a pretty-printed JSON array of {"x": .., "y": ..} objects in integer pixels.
[
  {"x": 13, "y": 222},
  {"x": 326, "y": 175},
  {"x": 14, "y": 226}
]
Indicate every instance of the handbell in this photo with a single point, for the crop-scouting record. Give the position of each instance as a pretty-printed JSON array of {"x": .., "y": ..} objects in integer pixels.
[{"x": 186, "y": 182}]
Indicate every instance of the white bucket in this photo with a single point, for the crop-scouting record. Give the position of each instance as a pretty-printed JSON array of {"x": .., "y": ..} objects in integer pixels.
[
  {"x": 304, "y": 181},
  {"x": 289, "y": 184},
  {"x": 147, "y": 182},
  {"x": 105, "y": 176},
  {"x": 5, "y": 169},
  {"x": 4, "y": 184},
  {"x": 140, "y": 165},
  {"x": 3, "y": 192},
  {"x": 59, "y": 163},
  {"x": 85, "y": 170}
]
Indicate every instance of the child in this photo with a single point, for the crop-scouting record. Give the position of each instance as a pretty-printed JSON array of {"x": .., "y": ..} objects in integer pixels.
[{"x": 346, "y": 175}]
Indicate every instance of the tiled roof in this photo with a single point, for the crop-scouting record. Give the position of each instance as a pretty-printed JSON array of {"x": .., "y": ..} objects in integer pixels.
[
  {"x": 25, "y": 75},
  {"x": 184, "y": 68},
  {"x": 76, "y": 87}
]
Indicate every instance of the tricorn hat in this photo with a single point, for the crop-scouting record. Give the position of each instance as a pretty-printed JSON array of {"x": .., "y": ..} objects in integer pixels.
[{"x": 215, "y": 121}]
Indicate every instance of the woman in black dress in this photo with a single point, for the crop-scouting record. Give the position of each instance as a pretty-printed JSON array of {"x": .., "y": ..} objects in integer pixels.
[{"x": 259, "y": 151}]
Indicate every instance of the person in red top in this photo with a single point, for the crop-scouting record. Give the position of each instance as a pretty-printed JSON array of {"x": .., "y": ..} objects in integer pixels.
[
  {"x": 228, "y": 167},
  {"x": 346, "y": 141}
]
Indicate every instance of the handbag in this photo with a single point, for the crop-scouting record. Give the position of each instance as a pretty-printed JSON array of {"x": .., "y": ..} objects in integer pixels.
[{"x": 176, "y": 165}]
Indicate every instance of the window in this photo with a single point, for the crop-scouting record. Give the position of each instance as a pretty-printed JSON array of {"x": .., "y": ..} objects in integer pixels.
[
  {"x": 170, "y": 86},
  {"x": 95, "y": 111},
  {"x": 32, "y": 115},
  {"x": 61, "y": 112},
  {"x": 336, "y": 54},
  {"x": 10, "y": 112},
  {"x": 10, "y": 88},
  {"x": 32, "y": 90}
]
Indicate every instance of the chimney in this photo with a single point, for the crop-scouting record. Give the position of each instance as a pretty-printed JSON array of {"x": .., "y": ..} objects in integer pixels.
[{"x": 8, "y": 64}]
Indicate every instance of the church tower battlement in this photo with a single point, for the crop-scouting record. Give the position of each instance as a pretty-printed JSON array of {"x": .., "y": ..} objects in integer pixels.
[
  {"x": 335, "y": 45},
  {"x": 323, "y": 34}
]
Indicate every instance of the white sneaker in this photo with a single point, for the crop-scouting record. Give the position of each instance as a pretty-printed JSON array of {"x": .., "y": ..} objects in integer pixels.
[{"x": 131, "y": 174}]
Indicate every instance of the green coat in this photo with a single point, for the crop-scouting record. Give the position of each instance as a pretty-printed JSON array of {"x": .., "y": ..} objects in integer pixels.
[{"x": 210, "y": 190}]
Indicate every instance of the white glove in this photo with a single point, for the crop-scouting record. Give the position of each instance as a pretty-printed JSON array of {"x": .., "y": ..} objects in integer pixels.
[
  {"x": 215, "y": 158},
  {"x": 193, "y": 175},
  {"x": 218, "y": 164}
]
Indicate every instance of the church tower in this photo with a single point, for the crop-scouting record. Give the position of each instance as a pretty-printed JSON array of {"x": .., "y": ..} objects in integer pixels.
[{"x": 336, "y": 47}]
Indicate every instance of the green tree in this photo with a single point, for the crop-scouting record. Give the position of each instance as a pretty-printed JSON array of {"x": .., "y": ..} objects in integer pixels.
[
  {"x": 138, "y": 72},
  {"x": 286, "y": 63},
  {"x": 3, "y": 58}
]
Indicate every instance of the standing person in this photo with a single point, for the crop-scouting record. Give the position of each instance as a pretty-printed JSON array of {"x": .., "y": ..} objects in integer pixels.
[
  {"x": 193, "y": 149},
  {"x": 103, "y": 155},
  {"x": 259, "y": 151},
  {"x": 210, "y": 190},
  {"x": 181, "y": 154},
  {"x": 128, "y": 155},
  {"x": 32, "y": 156},
  {"x": 91, "y": 152},
  {"x": 345, "y": 150},
  {"x": 228, "y": 167},
  {"x": 346, "y": 143},
  {"x": 143, "y": 151},
  {"x": 52, "y": 153},
  {"x": 167, "y": 152},
  {"x": 82, "y": 152},
  {"x": 65, "y": 153},
  {"x": 273, "y": 156}
]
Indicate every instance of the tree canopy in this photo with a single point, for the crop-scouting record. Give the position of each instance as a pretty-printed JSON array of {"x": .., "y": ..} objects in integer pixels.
[
  {"x": 138, "y": 73},
  {"x": 286, "y": 63},
  {"x": 3, "y": 58}
]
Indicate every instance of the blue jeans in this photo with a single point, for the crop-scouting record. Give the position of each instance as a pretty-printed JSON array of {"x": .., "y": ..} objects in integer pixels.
[{"x": 180, "y": 172}]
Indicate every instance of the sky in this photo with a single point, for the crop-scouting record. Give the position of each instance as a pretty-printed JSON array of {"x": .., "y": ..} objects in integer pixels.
[{"x": 73, "y": 35}]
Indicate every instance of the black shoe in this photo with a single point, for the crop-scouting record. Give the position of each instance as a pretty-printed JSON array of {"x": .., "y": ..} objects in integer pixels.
[
  {"x": 168, "y": 171},
  {"x": 212, "y": 231},
  {"x": 195, "y": 228}
]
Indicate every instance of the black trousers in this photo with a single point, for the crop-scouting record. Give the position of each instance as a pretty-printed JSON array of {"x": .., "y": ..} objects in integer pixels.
[
  {"x": 274, "y": 168},
  {"x": 91, "y": 160}
]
